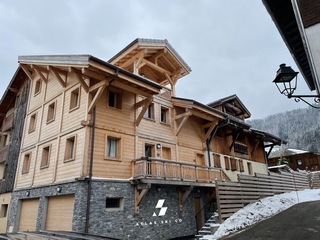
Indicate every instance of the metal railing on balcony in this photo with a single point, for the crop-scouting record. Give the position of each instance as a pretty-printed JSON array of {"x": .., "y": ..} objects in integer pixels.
[
  {"x": 3, "y": 153},
  {"x": 172, "y": 170}
]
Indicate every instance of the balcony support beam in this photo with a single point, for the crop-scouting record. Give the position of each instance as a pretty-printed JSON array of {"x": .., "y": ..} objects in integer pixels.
[
  {"x": 184, "y": 192},
  {"x": 139, "y": 192}
]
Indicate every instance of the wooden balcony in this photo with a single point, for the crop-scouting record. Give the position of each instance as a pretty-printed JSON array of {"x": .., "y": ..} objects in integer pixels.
[
  {"x": 7, "y": 123},
  {"x": 3, "y": 153},
  {"x": 165, "y": 171}
]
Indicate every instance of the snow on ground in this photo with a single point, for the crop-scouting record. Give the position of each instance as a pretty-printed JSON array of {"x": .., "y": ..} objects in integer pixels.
[{"x": 263, "y": 209}]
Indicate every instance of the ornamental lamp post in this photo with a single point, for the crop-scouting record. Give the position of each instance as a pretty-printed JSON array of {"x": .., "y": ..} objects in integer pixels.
[{"x": 286, "y": 82}]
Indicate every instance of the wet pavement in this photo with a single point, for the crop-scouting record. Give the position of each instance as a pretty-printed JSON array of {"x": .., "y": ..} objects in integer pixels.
[{"x": 301, "y": 221}]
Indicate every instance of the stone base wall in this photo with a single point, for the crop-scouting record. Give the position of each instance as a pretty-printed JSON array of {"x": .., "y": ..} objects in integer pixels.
[{"x": 159, "y": 215}]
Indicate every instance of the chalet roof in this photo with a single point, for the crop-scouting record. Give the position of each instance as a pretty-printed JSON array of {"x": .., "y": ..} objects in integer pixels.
[
  {"x": 232, "y": 105},
  {"x": 192, "y": 104},
  {"x": 268, "y": 137},
  {"x": 290, "y": 152},
  {"x": 158, "y": 60},
  {"x": 283, "y": 15},
  {"x": 79, "y": 61},
  {"x": 8, "y": 98}
]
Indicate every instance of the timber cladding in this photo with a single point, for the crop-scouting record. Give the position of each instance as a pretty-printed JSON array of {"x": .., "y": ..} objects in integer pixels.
[{"x": 232, "y": 196}]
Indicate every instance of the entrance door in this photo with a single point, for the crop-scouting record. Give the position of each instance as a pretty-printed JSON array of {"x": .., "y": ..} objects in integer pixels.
[
  {"x": 28, "y": 214},
  {"x": 60, "y": 213},
  {"x": 199, "y": 213}
]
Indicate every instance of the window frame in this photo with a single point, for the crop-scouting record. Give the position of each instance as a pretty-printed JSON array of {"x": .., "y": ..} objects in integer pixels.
[
  {"x": 150, "y": 112},
  {"x": 117, "y": 104},
  {"x": 32, "y": 122},
  {"x": 37, "y": 87},
  {"x": 70, "y": 156},
  {"x": 120, "y": 206},
  {"x": 118, "y": 141},
  {"x": 73, "y": 105},
  {"x": 152, "y": 150},
  {"x": 50, "y": 111},
  {"x": 45, "y": 164},
  {"x": 26, "y": 163},
  {"x": 167, "y": 115}
]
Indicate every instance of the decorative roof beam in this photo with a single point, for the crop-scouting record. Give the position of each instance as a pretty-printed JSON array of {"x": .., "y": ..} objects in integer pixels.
[
  {"x": 78, "y": 73},
  {"x": 57, "y": 72},
  {"x": 255, "y": 146},
  {"x": 28, "y": 71},
  {"x": 156, "y": 67},
  {"x": 185, "y": 117},
  {"x": 40, "y": 71},
  {"x": 131, "y": 60}
]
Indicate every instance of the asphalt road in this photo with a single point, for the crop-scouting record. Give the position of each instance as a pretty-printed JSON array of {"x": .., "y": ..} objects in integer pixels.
[{"x": 300, "y": 222}]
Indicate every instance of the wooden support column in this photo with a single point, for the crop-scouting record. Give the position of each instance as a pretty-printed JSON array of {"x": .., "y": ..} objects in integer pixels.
[
  {"x": 184, "y": 192},
  {"x": 140, "y": 191}
]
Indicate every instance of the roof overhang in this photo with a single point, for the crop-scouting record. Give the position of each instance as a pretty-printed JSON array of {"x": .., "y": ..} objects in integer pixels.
[
  {"x": 91, "y": 66},
  {"x": 304, "y": 47}
]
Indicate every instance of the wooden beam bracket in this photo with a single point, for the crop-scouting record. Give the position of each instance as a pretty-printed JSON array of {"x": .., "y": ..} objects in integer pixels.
[
  {"x": 184, "y": 192},
  {"x": 41, "y": 71},
  {"x": 184, "y": 117},
  {"x": 145, "y": 103},
  {"x": 57, "y": 72},
  {"x": 78, "y": 73},
  {"x": 139, "y": 192}
]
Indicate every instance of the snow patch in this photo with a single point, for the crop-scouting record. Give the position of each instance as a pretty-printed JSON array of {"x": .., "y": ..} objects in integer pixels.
[{"x": 263, "y": 209}]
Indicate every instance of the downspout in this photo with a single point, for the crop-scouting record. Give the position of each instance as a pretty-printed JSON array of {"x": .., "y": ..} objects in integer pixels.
[{"x": 90, "y": 169}]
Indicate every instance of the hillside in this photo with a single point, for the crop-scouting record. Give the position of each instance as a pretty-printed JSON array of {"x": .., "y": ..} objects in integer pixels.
[{"x": 300, "y": 127}]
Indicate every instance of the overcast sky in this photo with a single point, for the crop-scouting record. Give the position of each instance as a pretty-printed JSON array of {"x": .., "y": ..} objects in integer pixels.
[{"x": 232, "y": 46}]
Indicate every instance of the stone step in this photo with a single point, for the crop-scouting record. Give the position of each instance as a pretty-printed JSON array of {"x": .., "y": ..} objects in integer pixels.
[{"x": 205, "y": 232}]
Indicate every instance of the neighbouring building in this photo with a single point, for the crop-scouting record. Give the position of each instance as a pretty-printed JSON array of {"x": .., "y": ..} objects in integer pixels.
[
  {"x": 108, "y": 149},
  {"x": 12, "y": 115},
  {"x": 296, "y": 159}
]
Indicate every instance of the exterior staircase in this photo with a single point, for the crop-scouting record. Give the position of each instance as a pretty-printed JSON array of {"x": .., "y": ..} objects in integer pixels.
[{"x": 210, "y": 227}]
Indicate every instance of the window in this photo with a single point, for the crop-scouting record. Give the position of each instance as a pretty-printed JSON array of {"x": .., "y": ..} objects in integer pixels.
[
  {"x": 32, "y": 123},
  {"x": 227, "y": 163},
  {"x": 241, "y": 165},
  {"x": 166, "y": 153},
  {"x": 3, "y": 210},
  {"x": 74, "y": 99},
  {"x": 37, "y": 87},
  {"x": 3, "y": 140},
  {"x": 45, "y": 157},
  {"x": 240, "y": 148},
  {"x": 70, "y": 149},
  {"x": 114, "y": 99},
  {"x": 114, "y": 203},
  {"x": 233, "y": 164},
  {"x": 216, "y": 159},
  {"x": 26, "y": 163},
  {"x": 51, "y": 112},
  {"x": 200, "y": 160},
  {"x": 150, "y": 112},
  {"x": 164, "y": 115},
  {"x": 113, "y": 147},
  {"x": 149, "y": 150},
  {"x": 249, "y": 165}
]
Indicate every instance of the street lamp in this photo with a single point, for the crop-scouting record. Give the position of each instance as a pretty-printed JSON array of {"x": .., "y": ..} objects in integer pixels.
[{"x": 286, "y": 82}]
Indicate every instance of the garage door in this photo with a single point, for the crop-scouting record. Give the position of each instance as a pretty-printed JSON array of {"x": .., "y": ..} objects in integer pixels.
[
  {"x": 28, "y": 214},
  {"x": 60, "y": 213}
]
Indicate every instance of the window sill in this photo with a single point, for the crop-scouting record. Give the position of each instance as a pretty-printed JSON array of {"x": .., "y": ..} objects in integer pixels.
[
  {"x": 113, "y": 159},
  {"x": 149, "y": 119},
  {"x": 68, "y": 160},
  {"x": 73, "y": 109}
]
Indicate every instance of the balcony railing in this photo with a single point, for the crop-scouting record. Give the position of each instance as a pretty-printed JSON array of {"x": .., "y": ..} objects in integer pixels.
[
  {"x": 3, "y": 153},
  {"x": 171, "y": 170}
]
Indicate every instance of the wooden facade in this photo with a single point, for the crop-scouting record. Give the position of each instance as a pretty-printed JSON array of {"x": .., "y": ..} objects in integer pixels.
[
  {"x": 296, "y": 159},
  {"x": 121, "y": 121}
]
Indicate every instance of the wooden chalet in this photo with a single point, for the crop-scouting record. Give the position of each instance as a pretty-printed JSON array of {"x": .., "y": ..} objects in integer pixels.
[
  {"x": 296, "y": 159},
  {"x": 108, "y": 146},
  {"x": 12, "y": 114}
]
